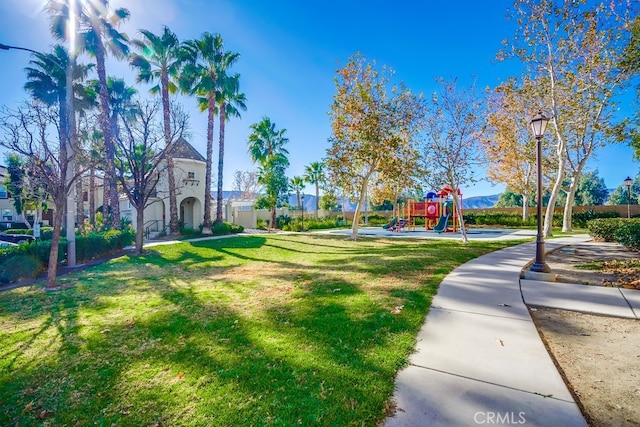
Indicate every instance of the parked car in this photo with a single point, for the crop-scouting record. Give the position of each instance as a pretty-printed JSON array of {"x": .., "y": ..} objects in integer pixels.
[
  {"x": 4, "y": 244},
  {"x": 15, "y": 238}
]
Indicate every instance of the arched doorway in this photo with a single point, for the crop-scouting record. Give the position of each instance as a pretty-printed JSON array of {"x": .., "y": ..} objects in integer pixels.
[{"x": 190, "y": 215}]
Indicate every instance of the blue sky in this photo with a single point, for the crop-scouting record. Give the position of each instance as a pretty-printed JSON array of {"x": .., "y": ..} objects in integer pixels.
[{"x": 290, "y": 51}]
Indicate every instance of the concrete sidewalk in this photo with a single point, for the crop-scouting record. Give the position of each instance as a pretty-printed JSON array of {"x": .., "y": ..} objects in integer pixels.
[
  {"x": 617, "y": 302},
  {"x": 479, "y": 358}
]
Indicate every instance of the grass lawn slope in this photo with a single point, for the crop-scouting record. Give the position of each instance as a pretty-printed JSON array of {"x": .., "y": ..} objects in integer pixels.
[{"x": 260, "y": 330}]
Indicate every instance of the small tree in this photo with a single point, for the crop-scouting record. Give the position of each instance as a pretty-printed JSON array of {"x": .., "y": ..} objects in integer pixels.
[
  {"x": 296, "y": 184},
  {"x": 591, "y": 190},
  {"x": 620, "y": 196},
  {"x": 276, "y": 185},
  {"x": 32, "y": 132},
  {"x": 508, "y": 146},
  {"x": 245, "y": 183},
  {"x": 374, "y": 127},
  {"x": 139, "y": 153},
  {"x": 451, "y": 149},
  {"x": 266, "y": 147},
  {"x": 314, "y": 174}
]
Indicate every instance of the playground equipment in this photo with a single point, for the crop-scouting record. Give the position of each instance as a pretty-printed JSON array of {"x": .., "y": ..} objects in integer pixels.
[{"x": 437, "y": 210}]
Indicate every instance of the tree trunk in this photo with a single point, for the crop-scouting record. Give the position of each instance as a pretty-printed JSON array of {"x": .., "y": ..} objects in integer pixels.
[
  {"x": 139, "y": 230},
  {"x": 458, "y": 207},
  {"x": 356, "y": 214},
  {"x": 92, "y": 195},
  {"x": 220, "y": 162},
  {"x": 548, "y": 217},
  {"x": 317, "y": 197},
  {"x": 274, "y": 222},
  {"x": 79, "y": 203},
  {"x": 174, "y": 226},
  {"x": 111, "y": 214},
  {"x": 344, "y": 209},
  {"x": 206, "y": 223},
  {"x": 55, "y": 244},
  {"x": 525, "y": 207},
  {"x": 115, "y": 204}
]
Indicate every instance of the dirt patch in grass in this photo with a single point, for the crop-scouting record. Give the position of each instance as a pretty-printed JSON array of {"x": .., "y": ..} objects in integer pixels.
[{"x": 598, "y": 356}]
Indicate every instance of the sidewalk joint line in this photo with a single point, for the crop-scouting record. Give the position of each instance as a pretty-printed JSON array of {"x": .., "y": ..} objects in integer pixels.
[
  {"x": 479, "y": 314},
  {"x": 628, "y": 303},
  {"x": 491, "y": 383}
]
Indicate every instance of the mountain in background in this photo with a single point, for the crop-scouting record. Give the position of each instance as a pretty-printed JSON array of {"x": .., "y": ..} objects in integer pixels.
[{"x": 478, "y": 202}]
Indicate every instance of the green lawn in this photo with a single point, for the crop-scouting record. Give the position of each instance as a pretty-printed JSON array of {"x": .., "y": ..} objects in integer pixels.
[{"x": 256, "y": 330}]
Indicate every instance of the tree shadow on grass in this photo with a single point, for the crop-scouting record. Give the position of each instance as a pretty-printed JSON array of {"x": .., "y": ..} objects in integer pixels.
[
  {"x": 192, "y": 355},
  {"x": 191, "y": 361}
]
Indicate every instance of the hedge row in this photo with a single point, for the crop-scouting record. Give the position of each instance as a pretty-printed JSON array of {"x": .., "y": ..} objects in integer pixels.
[
  {"x": 30, "y": 259},
  {"x": 622, "y": 230},
  {"x": 45, "y": 232},
  {"x": 512, "y": 219}
]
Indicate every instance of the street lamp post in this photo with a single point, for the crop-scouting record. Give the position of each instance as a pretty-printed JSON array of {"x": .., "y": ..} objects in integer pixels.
[
  {"x": 302, "y": 206},
  {"x": 627, "y": 183},
  {"x": 70, "y": 125},
  {"x": 538, "y": 126}
]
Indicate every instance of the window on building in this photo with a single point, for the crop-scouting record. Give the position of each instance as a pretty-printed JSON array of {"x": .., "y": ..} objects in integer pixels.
[
  {"x": 191, "y": 175},
  {"x": 3, "y": 192},
  {"x": 7, "y": 215}
]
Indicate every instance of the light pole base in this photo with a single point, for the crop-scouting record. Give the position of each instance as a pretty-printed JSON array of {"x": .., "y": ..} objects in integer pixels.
[
  {"x": 539, "y": 276},
  {"x": 540, "y": 267}
]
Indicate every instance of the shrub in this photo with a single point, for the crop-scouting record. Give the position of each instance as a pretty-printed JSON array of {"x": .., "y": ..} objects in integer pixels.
[
  {"x": 507, "y": 219},
  {"x": 45, "y": 232},
  {"x": 629, "y": 235},
  {"x": 19, "y": 266},
  {"x": 605, "y": 228},
  {"x": 221, "y": 228},
  {"x": 282, "y": 221},
  {"x": 262, "y": 224},
  {"x": 88, "y": 247},
  {"x": 94, "y": 245},
  {"x": 323, "y": 223},
  {"x": 580, "y": 219},
  {"x": 313, "y": 223},
  {"x": 375, "y": 220},
  {"x": 187, "y": 231},
  {"x": 27, "y": 260}
]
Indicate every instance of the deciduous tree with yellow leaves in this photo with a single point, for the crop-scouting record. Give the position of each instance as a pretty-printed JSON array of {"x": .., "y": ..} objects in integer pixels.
[
  {"x": 574, "y": 50},
  {"x": 374, "y": 126}
]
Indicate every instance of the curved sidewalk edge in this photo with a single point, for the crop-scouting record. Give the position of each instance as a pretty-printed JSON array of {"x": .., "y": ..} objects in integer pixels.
[{"x": 479, "y": 358}]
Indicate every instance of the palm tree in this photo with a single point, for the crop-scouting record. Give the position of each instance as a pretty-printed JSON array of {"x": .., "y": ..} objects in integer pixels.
[
  {"x": 120, "y": 97},
  {"x": 296, "y": 184},
  {"x": 47, "y": 82},
  {"x": 97, "y": 35},
  {"x": 203, "y": 77},
  {"x": 230, "y": 102},
  {"x": 314, "y": 174},
  {"x": 161, "y": 59},
  {"x": 266, "y": 147},
  {"x": 266, "y": 141}
]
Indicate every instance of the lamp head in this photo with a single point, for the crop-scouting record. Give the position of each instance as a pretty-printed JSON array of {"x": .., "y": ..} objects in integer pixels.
[
  {"x": 539, "y": 124},
  {"x": 628, "y": 182}
]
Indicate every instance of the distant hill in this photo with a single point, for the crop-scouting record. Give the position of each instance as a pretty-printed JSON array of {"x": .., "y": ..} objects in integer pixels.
[{"x": 480, "y": 202}]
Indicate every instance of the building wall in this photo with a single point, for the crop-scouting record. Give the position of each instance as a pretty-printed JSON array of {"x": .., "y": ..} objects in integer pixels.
[{"x": 189, "y": 177}]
